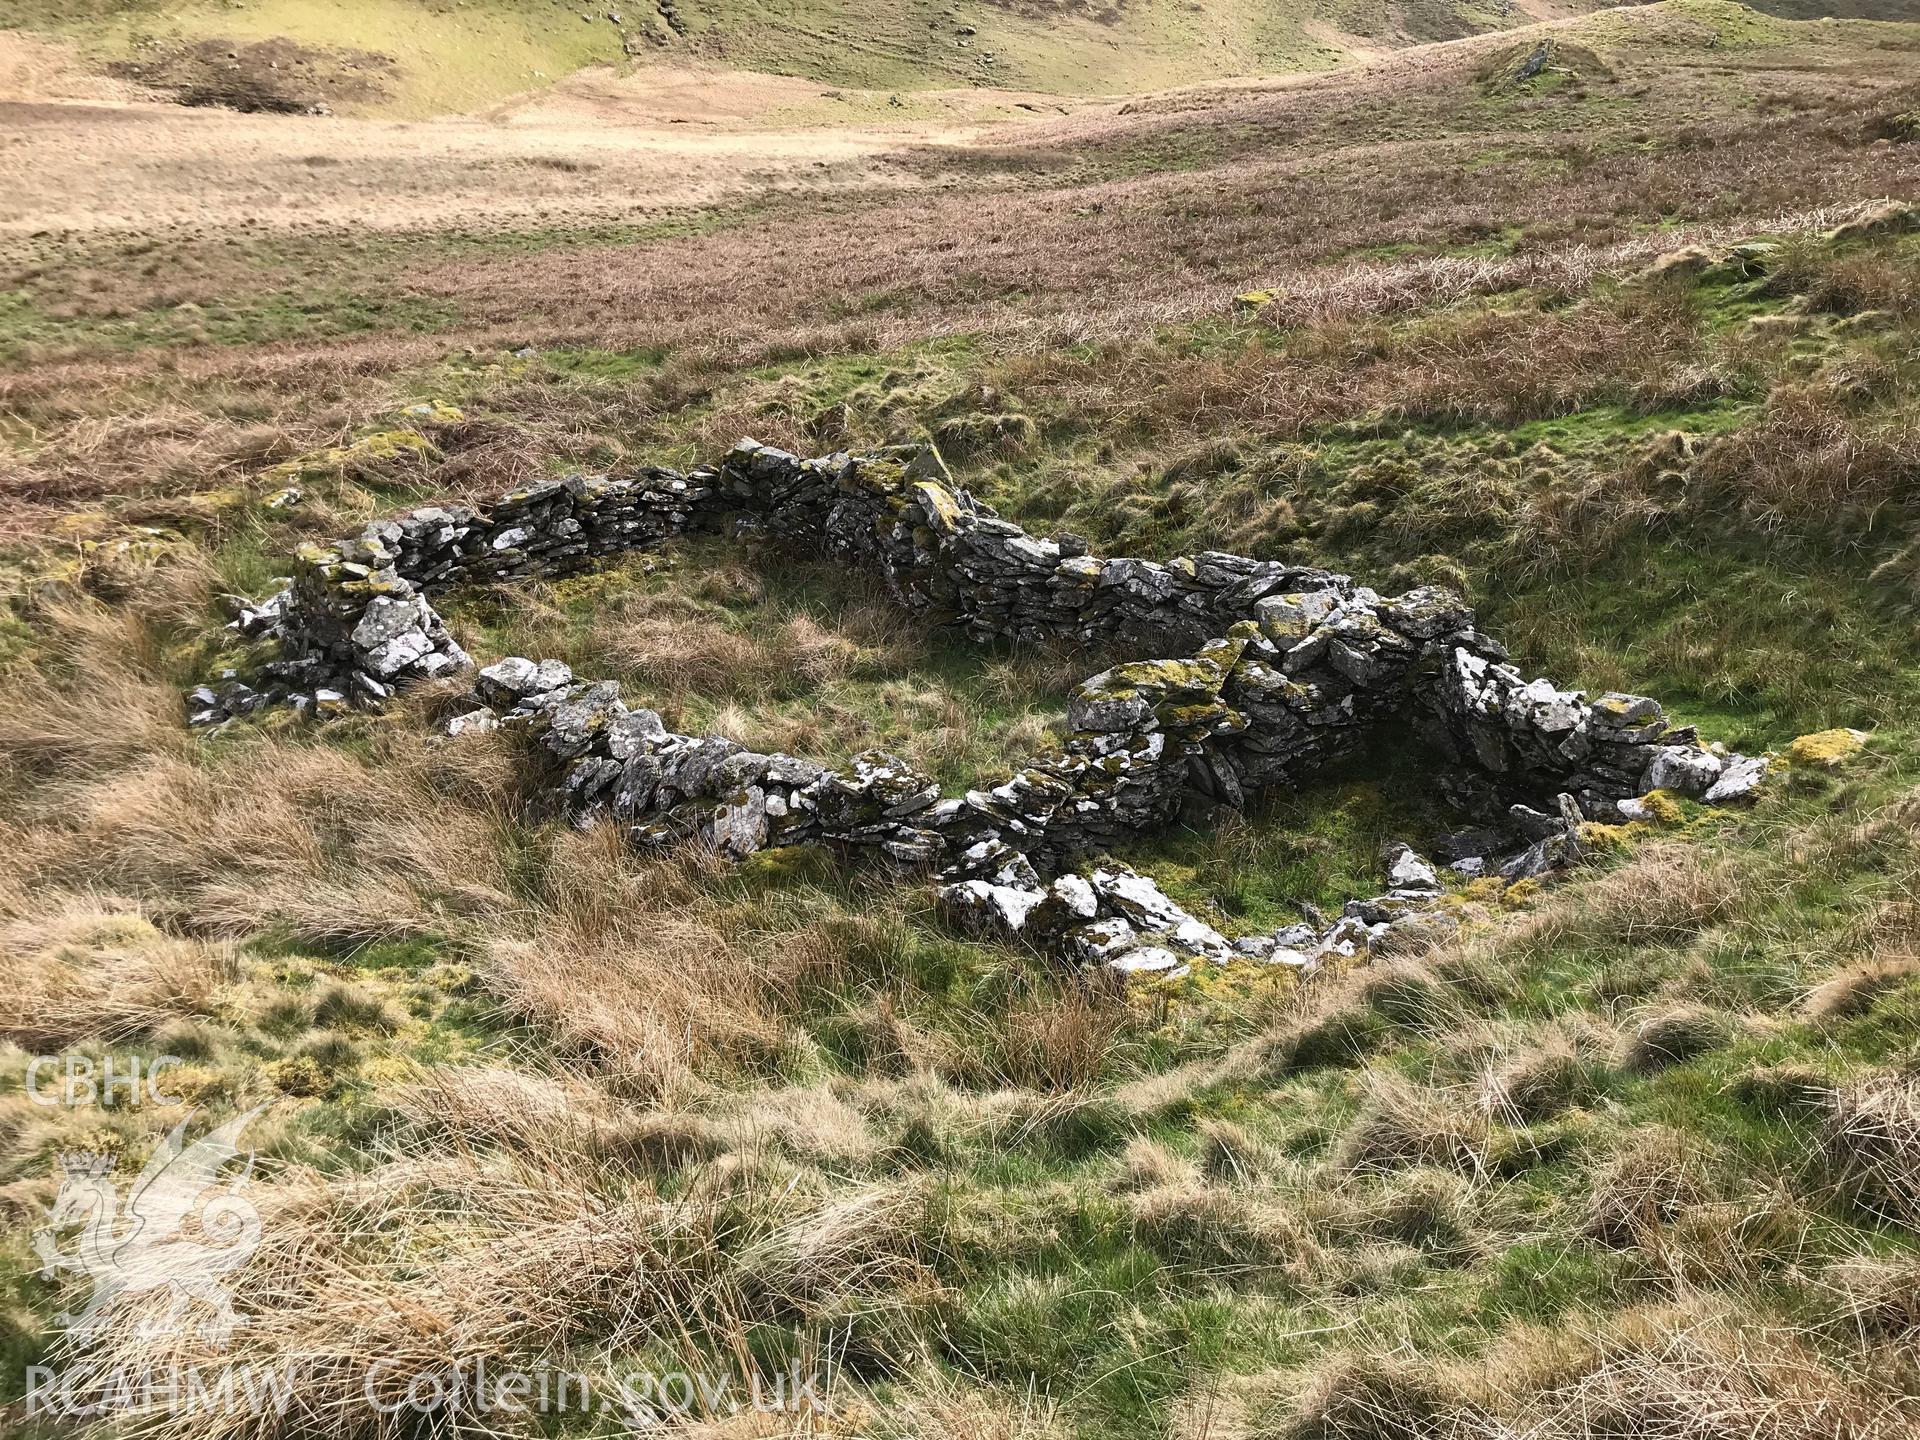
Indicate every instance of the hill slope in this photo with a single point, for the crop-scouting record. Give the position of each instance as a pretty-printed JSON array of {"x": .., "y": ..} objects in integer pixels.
[{"x": 423, "y": 57}]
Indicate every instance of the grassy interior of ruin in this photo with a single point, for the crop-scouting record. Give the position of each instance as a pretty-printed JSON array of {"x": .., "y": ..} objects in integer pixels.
[{"x": 1641, "y": 1147}]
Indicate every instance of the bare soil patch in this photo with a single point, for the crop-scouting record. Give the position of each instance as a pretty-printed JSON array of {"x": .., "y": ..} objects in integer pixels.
[{"x": 277, "y": 76}]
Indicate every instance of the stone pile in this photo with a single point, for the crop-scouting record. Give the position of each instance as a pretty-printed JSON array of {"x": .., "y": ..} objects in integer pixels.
[
  {"x": 353, "y": 625},
  {"x": 1115, "y": 917},
  {"x": 1276, "y": 671}
]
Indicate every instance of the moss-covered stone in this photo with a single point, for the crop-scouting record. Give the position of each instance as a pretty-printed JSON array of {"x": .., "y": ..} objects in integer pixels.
[{"x": 1826, "y": 749}]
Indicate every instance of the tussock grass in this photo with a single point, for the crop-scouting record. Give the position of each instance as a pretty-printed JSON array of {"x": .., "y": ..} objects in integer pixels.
[
  {"x": 492, "y": 1107},
  {"x": 944, "y": 1409},
  {"x": 1402, "y": 1124},
  {"x": 1358, "y": 1396},
  {"x": 1680, "y": 1373},
  {"x": 1748, "y": 1240},
  {"x": 1672, "y": 1037},
  {"x": 1643, "y": 1187},
  {"x": 1665, "y": 893},
  {"x": 1409, "y": 996},
  {"x": 533, "y": 1259},
  {"x": 816, "y": 1123},
  {"x": 1871, "y": 1140},
  {"x": 90, "y": 971},
  {"x": 1852, "y": 990},
  {"x": 1228, "y": 1154},
  {"x": 1226, "y": 1232},
  {"x": 1876, "y": 1297},
  {"x": 1146, "y": 1164},
  {"x": 1785, "y": 1090},
  {"x": 1706, "y": 1377},
  {"x": 1060, "y": 1040},
  {"x": 280, "y": 832},
  {"x": 625, "y": 991},
  {"x": 1539, "y": 1083},
  {"x": 1437, "y": 1212}
]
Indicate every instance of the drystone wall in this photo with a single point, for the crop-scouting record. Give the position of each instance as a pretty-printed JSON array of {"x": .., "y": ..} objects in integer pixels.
[{"x": 1271, "y": 671}]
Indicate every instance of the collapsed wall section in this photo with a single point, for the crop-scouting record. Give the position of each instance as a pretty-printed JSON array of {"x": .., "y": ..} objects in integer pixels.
[{"x": 354, "y": 626}]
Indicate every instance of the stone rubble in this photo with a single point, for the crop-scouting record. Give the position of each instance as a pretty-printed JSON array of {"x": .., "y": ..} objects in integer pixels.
[{"x": 1275, "y": 671}]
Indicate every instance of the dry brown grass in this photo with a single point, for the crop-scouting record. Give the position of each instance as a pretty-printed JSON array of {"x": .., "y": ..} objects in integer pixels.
[
  {"x": 1402, "y": 1124},
  {"x": 941, "y": 1408},
  {"x": 1149, "y": 1165},
  {"x": 108, "y": 792},
  {"x": 499, "y": 1263},
  {"x": 1698, "y": 1372},
  {"x": 1356, "y": 1395},
  {"x": 1158, "y": 215},
  {"x": 1227, "y": 1232},
  {"x": 1853, "y": 989},
  {"x": 1540, "y": 1081},
  {"x": 1814, "y": 457},
  {"x": 1871, "y": 1140},
  {"x": 676, "y": 657},
  {"x": 1876, "y": 1297},
  {"x": 92, "y": 702},
  {"x": 1705, "y": 1376},
  {"x": 1060, "y": 1039},
  {"x": 1666, "y": 893},
  {"x": 480, "y": 1107},
  {"x": 341, "y": 850},
  {"x": 1644, "y": 1186},
  {"x": 78, "y": 968},
  {"x": 1438, "y": 1212},
  {"x": 636, "y": 981},
  {"x": 1672, "y": 1037}
]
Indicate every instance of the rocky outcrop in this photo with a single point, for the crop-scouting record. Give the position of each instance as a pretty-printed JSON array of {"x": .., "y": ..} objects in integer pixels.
[{"x": 1270, "y": 671}]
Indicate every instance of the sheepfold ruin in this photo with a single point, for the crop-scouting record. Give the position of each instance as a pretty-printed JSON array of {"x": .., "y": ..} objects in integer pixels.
[{"x": 1261, "y": 674}]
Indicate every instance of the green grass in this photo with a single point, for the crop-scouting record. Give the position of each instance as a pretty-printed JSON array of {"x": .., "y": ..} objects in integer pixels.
[
  {"x": 454, "y": 59},
  {"x": 27, "y": 329}
]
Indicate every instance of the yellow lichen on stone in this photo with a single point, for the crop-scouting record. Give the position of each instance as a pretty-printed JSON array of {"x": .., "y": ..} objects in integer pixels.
[
  {"x": 1663, "y": 807},
  {"x": 941, "y": 505},
  {"x": 224, "y": 497},
  {"x": 1197, "y": 675},
  {"x": 1192, "y": 717},
  {"x": 381, "y": 445},
  {"x": 143, "y": 544},
  {"x": 1826, "y": 748},
  {"x": 1606, "y": 838},
  {"x": 1520, "y": 893}
]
